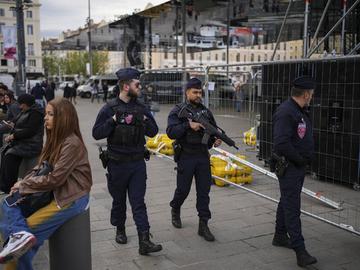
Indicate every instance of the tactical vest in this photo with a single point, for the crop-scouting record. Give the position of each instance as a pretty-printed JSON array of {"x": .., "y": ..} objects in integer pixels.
[
  {"x": 129, "y": 130},
  {"x": 192, "y": 136}
]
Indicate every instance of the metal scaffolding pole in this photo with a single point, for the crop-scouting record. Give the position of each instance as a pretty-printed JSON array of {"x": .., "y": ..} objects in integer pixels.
[
  {"x": 342, "y": 49},
  {"x": 320, "y": 24},
  {"x": 333, "y": 28},
  {"x": 306, "y": 21},
  {"x": 353, "y": 51},
  {"x": 281, "y": 29}
]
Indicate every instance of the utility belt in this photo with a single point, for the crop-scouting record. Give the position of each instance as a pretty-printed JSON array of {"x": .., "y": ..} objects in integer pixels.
[
  {"x": 278, "y": 164},
  {"x": 105, "y": 156},
  {"x": 185, "y": 149}
]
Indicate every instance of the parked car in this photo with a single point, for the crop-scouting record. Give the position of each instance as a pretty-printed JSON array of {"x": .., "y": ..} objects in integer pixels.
[{"x": 84, "y": 90}]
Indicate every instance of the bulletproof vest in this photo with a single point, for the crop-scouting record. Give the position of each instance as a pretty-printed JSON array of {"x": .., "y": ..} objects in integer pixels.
[
  {"x": 129, "y": 130},
  {"x": 195, "y": 137}
]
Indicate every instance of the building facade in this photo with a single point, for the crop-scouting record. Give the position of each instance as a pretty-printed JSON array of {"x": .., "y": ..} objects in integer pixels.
[{"x": 32, "y": 37}]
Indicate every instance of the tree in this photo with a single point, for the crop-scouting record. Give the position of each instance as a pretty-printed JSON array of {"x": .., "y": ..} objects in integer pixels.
[{"x": 75, "y": 63}]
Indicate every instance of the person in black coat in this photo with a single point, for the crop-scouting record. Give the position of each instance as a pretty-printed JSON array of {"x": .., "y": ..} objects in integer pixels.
[
  {"x": 67, "y": 91},
  {"x": 25, "y": 140}
]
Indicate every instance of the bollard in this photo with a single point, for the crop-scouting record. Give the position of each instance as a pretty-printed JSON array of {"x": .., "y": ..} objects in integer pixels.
[{"x": 70, "y": 245}]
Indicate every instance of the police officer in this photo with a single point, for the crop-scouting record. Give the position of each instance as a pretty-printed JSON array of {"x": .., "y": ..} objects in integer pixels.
[
  {"x": 194, "y": 158},
  {"x": 125, "y": 121},
  {"x": 293, "y": 139}
]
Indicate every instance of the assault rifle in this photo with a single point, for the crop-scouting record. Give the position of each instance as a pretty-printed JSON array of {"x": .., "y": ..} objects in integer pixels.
[{"x": 209, "y": 129}]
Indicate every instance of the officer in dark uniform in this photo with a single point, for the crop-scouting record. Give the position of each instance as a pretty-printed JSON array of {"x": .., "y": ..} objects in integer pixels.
[
  {"x": 125, "y": 121},
  {"x": 293, "y": 140},
  {"x": 193, "y": 159}
]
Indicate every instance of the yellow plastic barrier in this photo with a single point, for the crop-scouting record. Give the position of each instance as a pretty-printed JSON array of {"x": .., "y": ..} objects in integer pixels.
[
  {"x": 222, "y": 167},
  {"x": 250, "y": 137}
]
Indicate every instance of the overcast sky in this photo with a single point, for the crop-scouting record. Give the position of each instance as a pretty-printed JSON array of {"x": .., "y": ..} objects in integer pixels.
[{"x": 56, "y": 16}]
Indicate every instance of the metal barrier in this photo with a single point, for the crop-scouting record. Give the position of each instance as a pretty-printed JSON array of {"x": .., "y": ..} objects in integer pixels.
[{"x": 245, "y": 95}]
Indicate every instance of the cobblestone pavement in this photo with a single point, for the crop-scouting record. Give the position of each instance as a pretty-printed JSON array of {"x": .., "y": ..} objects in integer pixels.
[{"x": 242, "y": 223}]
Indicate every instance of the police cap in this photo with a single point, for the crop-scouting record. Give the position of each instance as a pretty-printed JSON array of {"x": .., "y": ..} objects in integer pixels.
[
  {"x": 127, "y": 74},
  {"x": 193, "y": 83},
  {"x": 304, "y": 82}
]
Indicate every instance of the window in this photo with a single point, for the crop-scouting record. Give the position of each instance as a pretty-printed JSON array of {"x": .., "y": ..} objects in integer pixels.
[
  {"x": 238, "y": 57},
  {"x": 284, "y": 45},
  {"x": 29, "y": 14},
  {"x": 30, "y": 29},
  {"x": 1, "y": 25},
  {"x": 259, "y": 58},
  {"x": 192, "y": 57},
  {"x": 224, "y": 56},
  {"x": 208, "y": 58},
  {"x": 265, "y": 57},
  {"x": 2, "y": 12},
  {"x": 31, "y": 49},
  {"x": 166, "y": 55},
  {"x": 174, "y": 55},
  {"x": 3, "y": 62},
  {"x": 216, "y": 57},
  {"x": 245, "y": 58},
  {"x": 252, "y": 57},
  {"x": 278, "y": 57},
  {"x": 1, "y": 47},
  {"x": 32, "y": 63}
]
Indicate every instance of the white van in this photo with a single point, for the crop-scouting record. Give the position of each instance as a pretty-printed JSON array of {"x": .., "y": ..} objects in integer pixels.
[{"x": 85, "y": 89}]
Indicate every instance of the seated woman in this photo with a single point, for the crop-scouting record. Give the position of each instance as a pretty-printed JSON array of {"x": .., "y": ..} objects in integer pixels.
[
  {"x": 25, "y": 140},
  {"x": 70, "y": 182}
]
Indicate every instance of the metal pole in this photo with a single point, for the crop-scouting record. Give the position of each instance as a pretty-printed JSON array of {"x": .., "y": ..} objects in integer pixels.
[
  {"x": 320, "y": 23},
  {"x": 355, "y": 49},
  {"x": 183, "y": 7},
  {"x": 150, "y": 44},
  {"x": 177, "y": 33},
  {"x": 281, "y": 29},
  {"x": 90, "y": 44},
  {"x": 306, "y": 19},
  {"x": 21, "y": 72},
  {"x": 344, "y": 2},
  {"x": 124, "y": 44},
  {"x": 273, "y": 176},
  {"x": 227, "y": 37},
  {"x": 333, "y": 28},
  {"x": 206, "y": 87}
]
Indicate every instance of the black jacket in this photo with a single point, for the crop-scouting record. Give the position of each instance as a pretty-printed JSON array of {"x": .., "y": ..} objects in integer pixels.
[
  {"x": 28, "y": 133},
  {"x": 293, "y": 133}
]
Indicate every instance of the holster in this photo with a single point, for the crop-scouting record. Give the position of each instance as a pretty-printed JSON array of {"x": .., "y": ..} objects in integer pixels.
[
  {"x": 177, "y": 151},
  {"x": 104, "y": 157},
  {"x": 278, "y": 164}
]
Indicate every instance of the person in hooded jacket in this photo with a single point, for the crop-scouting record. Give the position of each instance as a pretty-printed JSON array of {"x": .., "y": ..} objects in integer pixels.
[{"x": 25, "y": 140}]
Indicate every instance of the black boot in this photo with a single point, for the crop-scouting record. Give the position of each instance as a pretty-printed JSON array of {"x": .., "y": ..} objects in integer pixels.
[
  {"x": 145, "y": 245},
  {"x": 204, "y": 231},
  {"x": 121, "y": 237},
  {"x": 175, "y": 218},
  {"x": 281, "y": 240},
  {"x": 304, "y": 258}
]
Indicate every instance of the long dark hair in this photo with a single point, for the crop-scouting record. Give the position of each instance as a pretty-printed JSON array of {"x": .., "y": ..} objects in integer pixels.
[{"x": 65, "y": 123}]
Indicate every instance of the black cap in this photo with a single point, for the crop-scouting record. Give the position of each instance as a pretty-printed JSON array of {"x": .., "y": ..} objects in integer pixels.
[
  {"x": 26, "y": 99},
  {"x": 193, "y": 83},
  {"x": 304, "y": 82},
  {"x": 127, "y": 74}
]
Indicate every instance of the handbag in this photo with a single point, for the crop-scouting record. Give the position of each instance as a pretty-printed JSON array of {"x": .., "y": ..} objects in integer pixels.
[{"x": 30, "y": 203}]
